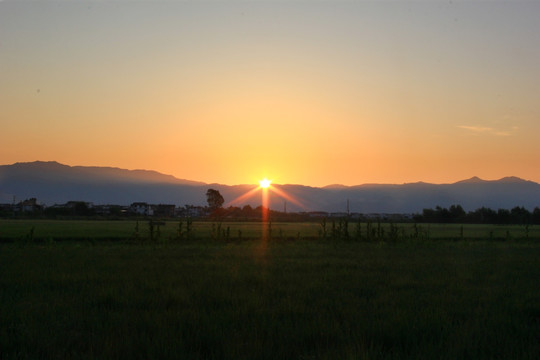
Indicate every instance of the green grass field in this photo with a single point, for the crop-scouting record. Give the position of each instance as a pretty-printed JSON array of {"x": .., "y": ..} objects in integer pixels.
[
  {"x": 291, "y": 299},
  {"x": 51, "y": 230}
]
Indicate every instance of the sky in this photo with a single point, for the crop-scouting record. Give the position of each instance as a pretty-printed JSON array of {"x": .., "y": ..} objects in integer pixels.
[{"x": 313, "y": 93}]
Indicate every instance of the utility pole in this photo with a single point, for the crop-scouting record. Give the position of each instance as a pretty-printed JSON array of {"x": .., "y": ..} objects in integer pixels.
[
  {"x": 348, "y": 213},
  {"x": 285, "y": 206}
]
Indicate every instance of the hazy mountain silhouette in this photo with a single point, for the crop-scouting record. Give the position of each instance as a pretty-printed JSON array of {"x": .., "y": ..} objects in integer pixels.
[
  {"x": 51, "y": 182},
  {"x": 53, "y": 170},
  {"x": 473, "y": 180}
]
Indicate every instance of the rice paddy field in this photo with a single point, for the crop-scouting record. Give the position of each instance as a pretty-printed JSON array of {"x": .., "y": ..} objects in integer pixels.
[
  {"x": 91, "y": 290},
  {"x": 120, "y": 230}
]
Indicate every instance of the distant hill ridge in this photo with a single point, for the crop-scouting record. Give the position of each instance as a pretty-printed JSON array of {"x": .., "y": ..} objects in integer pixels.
[
  {"x": 507, "y": 179},
  {"x": 52, "y": 182},
  {"x": 94, "y": 173}
]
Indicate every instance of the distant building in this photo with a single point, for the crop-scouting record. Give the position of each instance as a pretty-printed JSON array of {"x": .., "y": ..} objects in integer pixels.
[
  {"x": 102, "y": 209},
  {"x": 6, "y": 207},
  {"x": 339, "y": 215},
  {"x": 191, "y": 211},
  {"x": 356, "y": 215},
  {"x": 141, "y": 208},
  {"x": 317, "y": 214},
  {"x": 163, "y": 210},
  {"x": 110, "y": 209},
  {"x": 78, "y": 204},
  {"x": 28, "y": 205},
  {"x": 394, "y": 217}
]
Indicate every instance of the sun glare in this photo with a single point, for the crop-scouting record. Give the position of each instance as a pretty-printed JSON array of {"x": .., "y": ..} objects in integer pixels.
[{"x": 265, "y": 183}]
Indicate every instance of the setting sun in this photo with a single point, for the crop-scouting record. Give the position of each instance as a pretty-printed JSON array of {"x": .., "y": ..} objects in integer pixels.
[{"x": 265, "y": 183}]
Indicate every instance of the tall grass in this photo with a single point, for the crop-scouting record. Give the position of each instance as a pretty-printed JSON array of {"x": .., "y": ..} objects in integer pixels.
[{"x": 270, "y": 300}]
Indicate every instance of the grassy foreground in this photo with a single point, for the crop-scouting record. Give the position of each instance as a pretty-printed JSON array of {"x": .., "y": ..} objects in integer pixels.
[{"x": 270, "y": 300}]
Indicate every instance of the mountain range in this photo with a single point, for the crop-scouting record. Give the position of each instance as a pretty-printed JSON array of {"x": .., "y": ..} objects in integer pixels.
[{"x": 55, "y": 183}]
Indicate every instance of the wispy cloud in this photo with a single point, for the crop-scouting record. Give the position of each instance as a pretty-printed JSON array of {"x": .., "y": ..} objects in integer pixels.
[
  {"x": 477, "y": 129},
  {"x": 488, "y": 130}
]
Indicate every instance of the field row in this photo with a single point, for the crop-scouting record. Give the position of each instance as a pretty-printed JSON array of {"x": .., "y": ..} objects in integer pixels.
[{"x": 46, "y": 230}]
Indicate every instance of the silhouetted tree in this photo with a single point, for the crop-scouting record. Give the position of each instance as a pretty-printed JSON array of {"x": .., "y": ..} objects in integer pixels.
[
  {"x": 457, "y": 214},
  {"x": 536, "y": 216},
  {"x": 247, "y": 210},
  {"x": 483, "y": 215},
  {"x": 504, "y": 216},
  {"x": 520, "y": 215},
  {"x": 214, "y": 199}
]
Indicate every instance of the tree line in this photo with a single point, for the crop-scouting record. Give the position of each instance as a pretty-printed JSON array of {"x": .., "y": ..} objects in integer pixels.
[
  {"x": 455, "y": 214},
  {"x": 215, "y": 210}
]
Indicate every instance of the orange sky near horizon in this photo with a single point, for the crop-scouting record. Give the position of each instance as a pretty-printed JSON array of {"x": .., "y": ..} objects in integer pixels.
[{"x": 308, "y": 93}]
